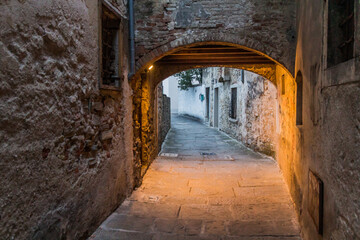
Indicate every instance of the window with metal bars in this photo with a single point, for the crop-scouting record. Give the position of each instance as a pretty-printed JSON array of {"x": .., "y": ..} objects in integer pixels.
[
  {"x": 340, "y": 31},
  {"x": 233, "y": 103},
  {"x": 110, "y": 26}
]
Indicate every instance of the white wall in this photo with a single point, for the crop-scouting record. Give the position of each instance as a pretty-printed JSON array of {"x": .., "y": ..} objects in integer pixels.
[
  {"x": 170, "y": 89},
  {"x": 185, "y": 102},
  {"x": 190, "y": 103}
]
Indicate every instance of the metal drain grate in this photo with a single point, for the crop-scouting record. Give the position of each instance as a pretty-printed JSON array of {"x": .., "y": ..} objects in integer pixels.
[{"x": 207, "y": 153}]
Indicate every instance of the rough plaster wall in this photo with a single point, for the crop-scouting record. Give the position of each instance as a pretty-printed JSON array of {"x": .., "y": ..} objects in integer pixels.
[
  {"x": 172, "y": 91},
  {"x": 341, "y": 158},
  {"x": 256, "y": 108},
  {"x": 145, "y": 117},
  {"x": 148, "y": 124},
  {"x": 137, "y": 140},
  {"x": 260, "y": 109},
  {"x": 331, "y": 136},
  {"x": 267, "y": 26},
  {"x": 166, "y": 115},
  {"x": 64, "y": 167},
  {"x": 288, "y": 149},
  {"x": 190, "y": 102}
]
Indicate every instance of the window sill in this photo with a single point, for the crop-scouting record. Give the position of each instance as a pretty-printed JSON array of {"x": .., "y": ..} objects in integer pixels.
[{"x": 342, "y": 73}]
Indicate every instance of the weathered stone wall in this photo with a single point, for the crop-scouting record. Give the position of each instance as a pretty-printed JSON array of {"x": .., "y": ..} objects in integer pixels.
[
  {"x": 145, "y": 117},
  {"x": 268, "y": 27},
  {"x": 65, "y": 161},
  {"x": 330, "y": 133},
  {"x": 164, "y": 115},
  {"x": 255, "y": 121},
  {"x": 327, "y": 141},
  {"x": 288, "y": 152}
]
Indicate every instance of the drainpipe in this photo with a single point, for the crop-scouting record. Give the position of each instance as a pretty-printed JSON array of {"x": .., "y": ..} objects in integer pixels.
[{"x": 132, "y": 38}]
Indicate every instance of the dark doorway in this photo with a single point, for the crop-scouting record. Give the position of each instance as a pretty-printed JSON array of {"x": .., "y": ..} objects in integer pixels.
[
  {"x": 207, "y": 95},
  {"x": 216, "y": 108}
]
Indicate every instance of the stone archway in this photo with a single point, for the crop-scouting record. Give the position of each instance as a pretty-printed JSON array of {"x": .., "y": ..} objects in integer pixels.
[
  {"x": 145, "y": 81},
  {"x": 265, "y": 28},
  {"x": 158, "y": 55}
]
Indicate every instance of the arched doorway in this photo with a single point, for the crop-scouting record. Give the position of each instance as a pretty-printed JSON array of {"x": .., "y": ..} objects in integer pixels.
[
  {"x": 161, "y": 65},
  {"x": 240, "y": 103}
]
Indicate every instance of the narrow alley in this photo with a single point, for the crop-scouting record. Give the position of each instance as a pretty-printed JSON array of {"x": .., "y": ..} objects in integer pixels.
[
  {"x": 205, "y": 185},
  {"x": 89, "y": 150}
]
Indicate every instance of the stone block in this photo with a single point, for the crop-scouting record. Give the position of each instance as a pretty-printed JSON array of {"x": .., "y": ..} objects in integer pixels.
[
  {"x": 129, "y": 223},
  {"x": 258, "y": 212},
  {"x": 251, "y": 228},
  {"x": 103, "y": 234},
  {"x": 188, "y": 227},
  {"x": 165, "y": 225},
  {"x": 145, "y": 209},
  {"x": 106, "y": 135},
  {"x": 215, "y": 228},
  {"x": 91, "y": 162}
]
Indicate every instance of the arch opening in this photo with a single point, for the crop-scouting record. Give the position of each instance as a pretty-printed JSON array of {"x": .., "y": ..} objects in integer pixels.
[
  {"x": 209, "y": 54},
  {"x": 237, "y": 102}
]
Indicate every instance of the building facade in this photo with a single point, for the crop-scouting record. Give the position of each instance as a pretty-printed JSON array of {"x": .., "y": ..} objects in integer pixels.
[
  {"x": 237, "y": 102},
  {"x": 242, "y": 104},
  {"x": 77, "y": 133}
]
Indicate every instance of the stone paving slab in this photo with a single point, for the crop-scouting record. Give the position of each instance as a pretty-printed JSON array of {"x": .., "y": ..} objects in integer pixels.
[{"x": 195, "y": 197}]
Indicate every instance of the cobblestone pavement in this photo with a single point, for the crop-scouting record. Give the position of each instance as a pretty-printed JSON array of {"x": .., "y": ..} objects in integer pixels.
[{"x": 205, "y": 185}]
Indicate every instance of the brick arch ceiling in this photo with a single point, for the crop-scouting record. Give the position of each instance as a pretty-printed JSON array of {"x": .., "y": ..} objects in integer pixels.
[{"x": 248, "y": 56}]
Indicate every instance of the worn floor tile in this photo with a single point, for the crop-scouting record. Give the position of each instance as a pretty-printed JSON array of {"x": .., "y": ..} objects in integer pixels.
[{"x": 234, "y": 194}]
